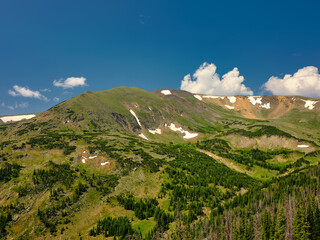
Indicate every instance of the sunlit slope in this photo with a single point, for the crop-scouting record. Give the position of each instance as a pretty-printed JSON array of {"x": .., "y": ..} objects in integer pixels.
[
  {"x": 132, "y": 110},
  {"x": 148, "y": 161}
]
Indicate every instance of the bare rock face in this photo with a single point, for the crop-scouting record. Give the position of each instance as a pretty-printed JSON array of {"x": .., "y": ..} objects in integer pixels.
[{"x": 262, "y": 107}]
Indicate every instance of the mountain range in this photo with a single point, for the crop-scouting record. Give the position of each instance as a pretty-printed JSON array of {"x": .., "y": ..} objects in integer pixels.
[{"x": 127, "y": 163}]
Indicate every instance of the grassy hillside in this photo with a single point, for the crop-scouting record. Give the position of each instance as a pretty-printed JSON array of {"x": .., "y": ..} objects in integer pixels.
[{"x": 82, "y": 170}]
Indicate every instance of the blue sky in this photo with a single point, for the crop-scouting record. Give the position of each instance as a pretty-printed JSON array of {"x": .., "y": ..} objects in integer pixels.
[{"x": 152, "y": 45}]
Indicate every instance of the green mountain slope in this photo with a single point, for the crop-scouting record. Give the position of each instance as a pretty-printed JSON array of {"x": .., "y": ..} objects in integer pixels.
[{"x": 127, "y": 163}]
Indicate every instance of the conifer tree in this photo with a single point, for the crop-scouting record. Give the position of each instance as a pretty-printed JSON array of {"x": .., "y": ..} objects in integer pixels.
[
  {"x": 248, "y": 231},
  {"x": 301, "y": 225},
  {"x": 316, "y": 230},
  {"x": 311, "y": 221},
  {"x": 280, "y": 226},
  {"x": 265, "y": 225}
]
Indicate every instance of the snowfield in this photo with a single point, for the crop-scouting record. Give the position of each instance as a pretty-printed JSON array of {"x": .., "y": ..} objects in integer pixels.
[
  {"x": 133, "y": 113},
  {"x": 187, "y": 135},
  {"x": 143, "y": 136},
  {"x": 158, "y": 130},
  {"x": 198, "y": 97},
  {"x": 104, "y": 163},
  {"x": 166, "y": 92},
  {"x": 303, "y": 146},
  {"x": 232, "y": 99},
  {"x": 230, "y": 107},
  {"x": 208, "y": 96},
  {"x": 16, "y": 118},
  {"x": 258, "y": 100},
  {"x": 309, "y": 104},
  {"x": 266, "y": 106},
  {"x": 255, "y": 101}
]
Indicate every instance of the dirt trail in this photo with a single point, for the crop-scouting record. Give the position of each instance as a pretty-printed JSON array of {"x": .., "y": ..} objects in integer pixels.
[{"x": 224, "y": 161}]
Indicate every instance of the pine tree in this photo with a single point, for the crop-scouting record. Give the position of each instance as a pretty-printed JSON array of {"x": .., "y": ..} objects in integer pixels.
[
  {"x": 311, "y": 222},
  {"x": 265, "y": 225},
  {"x": 248, "y": 231},
  {"x": 240, "y": 229},
  {"x": 316, "y": 230},
  {"x": 280, "y": 226},
  {"x": 273, "y": 221},
  {"x": 301, "y": 226}
]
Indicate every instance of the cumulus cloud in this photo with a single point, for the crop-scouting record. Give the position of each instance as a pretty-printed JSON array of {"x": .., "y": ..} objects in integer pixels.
[
  {"x": 305, "y": 82},
  {"x": 26, "y": 92},
  {"x": 207, "y": 81},
  {"x": 56, "y": 99},
  {"x": 70, "y": 82}
]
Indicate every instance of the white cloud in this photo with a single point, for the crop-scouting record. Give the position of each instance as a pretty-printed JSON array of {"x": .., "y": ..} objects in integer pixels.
[
  {"x": 22, "y": 105},
  {"x": 56, "y": 99},
  {"x": 70, "y": 82},
  {"x": 207, "y": 81},
  {"x": 26, "y": 92},
  {"x": 45, "y": 90},
  {"x": 305, "y": 82},
  {"x": 17, "y": 105}
]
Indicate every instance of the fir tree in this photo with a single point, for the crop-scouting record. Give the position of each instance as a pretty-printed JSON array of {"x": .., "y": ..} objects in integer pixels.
[
  {"x": 301, "y": 225},
  {"x": 248, "y": 231},
  {"x": 280, "y": 226},
  {"x": 265, "y": 225},
  {"x": 316, "y": 230}
]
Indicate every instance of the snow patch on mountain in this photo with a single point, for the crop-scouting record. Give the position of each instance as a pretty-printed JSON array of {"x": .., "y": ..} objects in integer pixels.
[
  {"x": 213, "y": 97},
  {"x": 230, "y": 107},
  {"x": 158, "y": 130},
  {"x": 166, "y": 92},
  {"x": 303, "y": 146},
  {"x": 232, "y": 99},
  {"x": 104, "y": 163},
  {"x": 198, "y": 97},
  {"x": 143, "y": 136},
  {"x": 255, "y": 100},
  {"x": 187, "y": 135},
  {"x": 17, "y": 118},
  {"x": 266, "y": 106},
  {"x": 133, "y": 113},
  {"x": 309, "y": 104}
]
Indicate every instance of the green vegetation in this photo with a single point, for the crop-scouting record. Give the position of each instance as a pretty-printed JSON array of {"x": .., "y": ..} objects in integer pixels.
[
  {"x": 143, "y": 209},
  {"x": 61, "y": 173},
  {"x": 81, "y": 171},
  {"x": 51, "y": 141},
  {"x": 9, "y": 171},
  {"x": 253, "y": 157},
  {"x": 4, "y": 220},
  {"x": 146, "y": 208},
  {"x": 119, "y": 227}
]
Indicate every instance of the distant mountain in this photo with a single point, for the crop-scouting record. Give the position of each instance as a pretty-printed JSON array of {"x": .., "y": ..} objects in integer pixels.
[{"x": 140, "y": 112}]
